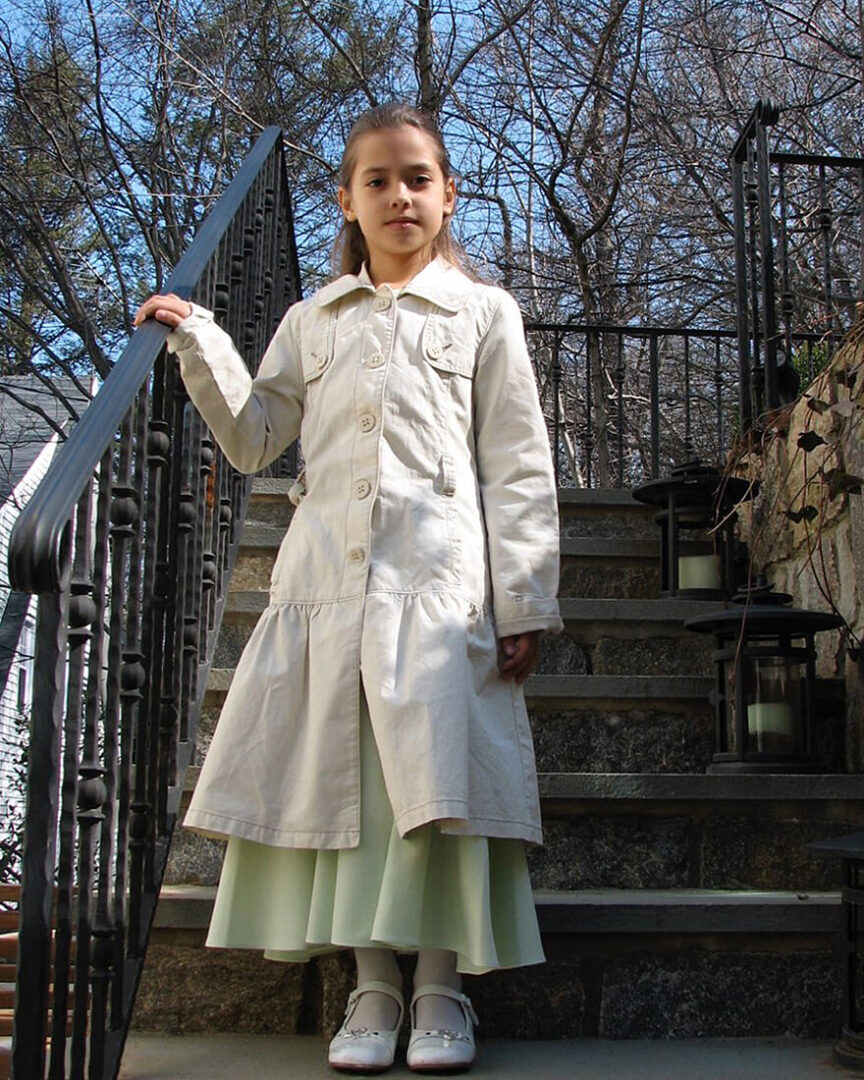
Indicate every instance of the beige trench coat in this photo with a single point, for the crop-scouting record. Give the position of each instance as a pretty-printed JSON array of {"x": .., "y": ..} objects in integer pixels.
[{"x": 427, "y": 527}]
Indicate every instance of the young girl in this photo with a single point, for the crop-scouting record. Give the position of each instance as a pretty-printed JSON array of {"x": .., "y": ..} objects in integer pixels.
[{"x": 373, "y": 768}]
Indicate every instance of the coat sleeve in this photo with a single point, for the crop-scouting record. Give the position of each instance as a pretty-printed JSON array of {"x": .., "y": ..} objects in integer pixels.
[
  {"x": 253, "y": 420},
  {"x": 517, "y": 483}
]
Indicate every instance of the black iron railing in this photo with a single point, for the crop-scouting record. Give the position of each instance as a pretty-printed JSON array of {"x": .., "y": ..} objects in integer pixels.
[
  {"x": 666, "y": 393},
  {"x": 129, "y": 542},
  {"x": 799, "y": 251}
]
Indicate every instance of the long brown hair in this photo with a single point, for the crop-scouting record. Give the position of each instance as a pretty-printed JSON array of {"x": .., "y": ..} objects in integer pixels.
[{"x": 349, "y": 249}]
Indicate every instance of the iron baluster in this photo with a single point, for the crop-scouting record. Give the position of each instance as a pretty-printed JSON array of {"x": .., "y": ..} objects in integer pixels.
[
  {"x": 688, "y": 430},
  {"x": 556, "y": 398},
  {"x": 757, "y": 373},
  {"x": 619, "y": 394},
  {"x": 745, "y": 401},
  {"x": 590, "y": 347},
  {"x": 88, "y": 1028},
  {"x": 654, "y": 383},
  {"x": 35, "y": 933},
  {"x": 826, "y": 221},
  {"x": 132, "y": 677},
  {"x": 718, "y": 399},
  {"x": 123, "y": 518},
  {"x": 787, "y": 300},
  {"x": 765, "y": 117},
  {"x": 82, "y": 614}
]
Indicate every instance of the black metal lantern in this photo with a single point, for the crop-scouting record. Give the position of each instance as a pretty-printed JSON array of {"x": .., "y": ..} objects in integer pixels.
[
  {"x": 693, "y": 499},
  {"x": 766, "y": 675},
  {"x": 849, "y": 1051}
]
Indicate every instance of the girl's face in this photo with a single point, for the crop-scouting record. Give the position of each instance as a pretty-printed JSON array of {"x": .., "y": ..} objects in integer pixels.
[{"x": 399, "y": 197}]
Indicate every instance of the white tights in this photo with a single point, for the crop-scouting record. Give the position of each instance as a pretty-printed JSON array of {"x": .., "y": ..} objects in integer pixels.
[{"x": 378, "y": 1012}]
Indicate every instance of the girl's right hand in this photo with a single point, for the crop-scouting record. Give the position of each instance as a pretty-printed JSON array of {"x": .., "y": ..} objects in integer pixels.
[{"x": 168, "y": 309}]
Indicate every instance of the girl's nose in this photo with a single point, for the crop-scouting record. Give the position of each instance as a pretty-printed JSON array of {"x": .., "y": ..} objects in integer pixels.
[{"x": 401, "y": 196}]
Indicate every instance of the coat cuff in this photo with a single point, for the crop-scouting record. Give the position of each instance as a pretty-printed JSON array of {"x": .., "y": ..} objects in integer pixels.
[
  {"x": 521, "y": 615},
  {"x": 209, "y": 360}
]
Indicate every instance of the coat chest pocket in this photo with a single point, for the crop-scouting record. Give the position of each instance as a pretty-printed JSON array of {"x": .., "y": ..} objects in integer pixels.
[
  {"x": 317, "y": 358},
  {"x": 449, "y": 349},
  {"x": 317, "y": 350}
]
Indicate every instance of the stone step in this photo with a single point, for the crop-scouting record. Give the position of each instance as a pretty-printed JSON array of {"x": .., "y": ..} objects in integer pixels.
[
  {"x": 277, "y": 1057},
  {"x": 589, "y": 512},
  {"x": 590, "y": 617},
  {"x": 656, "y": 738},
  {"x": 600, "y": 512},
  {"x": 718, "y": 789},
  {"x": 269, "y": 503},
  {"x": 596, "y": 567},
  {"x": 678, "y": 831},
  {"x": 608, "y": 911},
  {"x": 601, "y": 636},
  {"x": 568, "y": 691},
  {"x": 620, "y": 964},
  {"x": 594, "y": 617},
  {"x": 616, "y": 691},
  {"x": 657, "y": 831}
]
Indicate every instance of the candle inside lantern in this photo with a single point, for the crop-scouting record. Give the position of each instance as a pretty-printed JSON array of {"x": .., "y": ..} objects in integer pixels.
[
  {"x": 698, "y": 572},
  {"x": 773, "y": 719}
]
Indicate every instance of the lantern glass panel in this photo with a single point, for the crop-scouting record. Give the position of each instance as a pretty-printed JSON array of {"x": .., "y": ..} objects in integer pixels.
[
  {"x": 774, "y": 713},
  {"x": 774, "y": 690}
]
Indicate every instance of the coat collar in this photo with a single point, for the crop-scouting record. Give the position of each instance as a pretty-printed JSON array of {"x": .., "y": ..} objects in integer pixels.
[{"x": 439, "y": 283}]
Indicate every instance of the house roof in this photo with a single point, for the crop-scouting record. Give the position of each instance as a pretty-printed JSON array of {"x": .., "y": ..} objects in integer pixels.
[{"x": 31, "y": 411}]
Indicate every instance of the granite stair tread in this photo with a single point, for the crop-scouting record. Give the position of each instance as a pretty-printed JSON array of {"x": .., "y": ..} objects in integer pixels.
[
  {"x": 611, "y": 498},
  {"x": 257, "y": 535},
  {"x": 617, "y": 688},
  {"x": 670, "y": 613},
  {"x": 684, "y": 787},
  {"x": 597, "y": 911},
  {"x": 620, "y": 688},
  {"x": 605, "y": 686},
  {"x": 669, "y": 610},
  {"x": 702, "y": 787}
]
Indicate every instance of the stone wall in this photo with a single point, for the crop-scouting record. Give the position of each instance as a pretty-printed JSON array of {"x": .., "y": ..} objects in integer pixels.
[{"x": 805, "y": 529}]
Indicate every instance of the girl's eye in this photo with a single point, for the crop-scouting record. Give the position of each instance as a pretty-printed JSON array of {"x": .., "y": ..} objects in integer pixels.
[
  {"x": 423, "y": 179},
  {"x": 376, "y": 182}
]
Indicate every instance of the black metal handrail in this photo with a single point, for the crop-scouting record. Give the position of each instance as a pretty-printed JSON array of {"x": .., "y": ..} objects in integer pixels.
[
  {"x": 130, "y": 541},
  {"x": 790, "y": 256}
]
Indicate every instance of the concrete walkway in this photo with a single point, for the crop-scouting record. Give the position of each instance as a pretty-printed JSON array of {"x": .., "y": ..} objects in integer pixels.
[{"x": 270, "y": 1057}]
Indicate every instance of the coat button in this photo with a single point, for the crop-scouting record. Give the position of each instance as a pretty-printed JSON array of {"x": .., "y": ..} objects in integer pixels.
[
  {"x": 375, "y": 360},
  {"x": 382, "y": 303},
  {"x": 435, "y": 351},
  {"x": 320, "y": 362},
  {"x": 356, "y": 555},
  {"x": 362, "y": 489},
  {"x": 367, "y": 421}
]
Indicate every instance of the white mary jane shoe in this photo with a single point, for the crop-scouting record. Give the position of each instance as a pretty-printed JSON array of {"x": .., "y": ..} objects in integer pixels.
[
  {"x": 357, "y": 1049},
  {"x": 441, "y": 1050}
]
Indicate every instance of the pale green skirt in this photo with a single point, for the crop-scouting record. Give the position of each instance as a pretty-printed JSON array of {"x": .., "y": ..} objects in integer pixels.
[{"x": 469, "y": 894}]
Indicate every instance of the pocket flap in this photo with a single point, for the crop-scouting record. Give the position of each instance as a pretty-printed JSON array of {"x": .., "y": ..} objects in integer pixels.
[
  {"x": 449, "y": 357},
  {"x": 317, "y": 346}
]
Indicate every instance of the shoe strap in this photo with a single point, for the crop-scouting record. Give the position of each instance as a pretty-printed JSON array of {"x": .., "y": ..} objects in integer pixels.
[
  {"x": 440, "y": 990},
  {"x": 378, "y": 987}
]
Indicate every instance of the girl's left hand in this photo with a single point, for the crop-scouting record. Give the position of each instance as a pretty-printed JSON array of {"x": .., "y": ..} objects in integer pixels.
[
  {"x": 167, "y": 308},
  {"x": 518, "y": 655}
]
